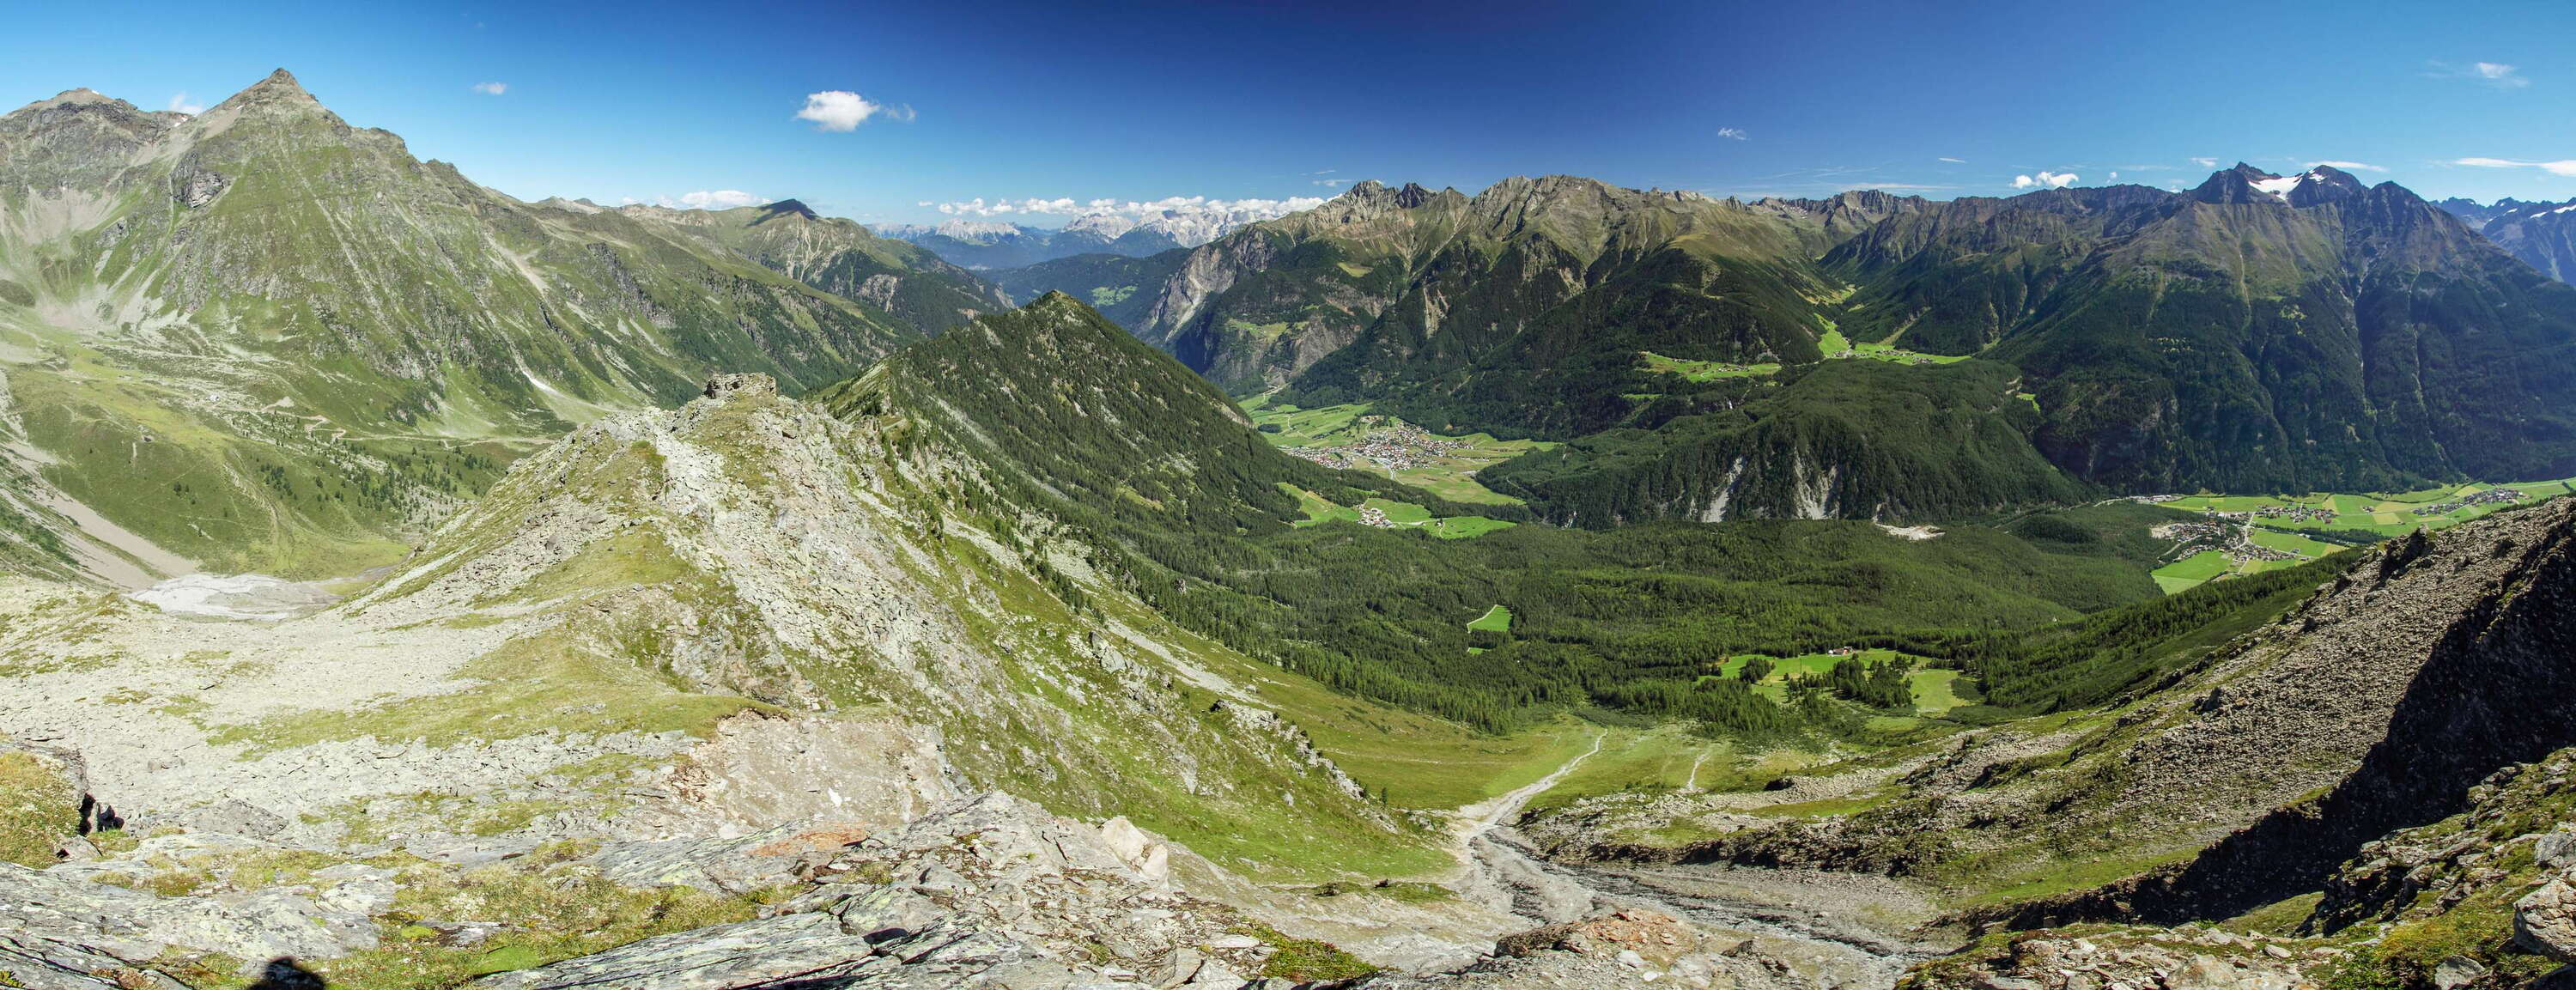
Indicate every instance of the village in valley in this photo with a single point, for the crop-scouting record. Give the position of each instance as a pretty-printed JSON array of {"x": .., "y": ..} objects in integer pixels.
[
  {"x": 2238, "y": 534},
  {"x": 1382, "y": 445}
]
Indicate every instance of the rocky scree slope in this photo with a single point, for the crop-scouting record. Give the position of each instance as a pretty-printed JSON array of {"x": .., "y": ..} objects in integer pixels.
[
  {"x": 261, "y": 338},
  {"x": 758, "y": 546}
]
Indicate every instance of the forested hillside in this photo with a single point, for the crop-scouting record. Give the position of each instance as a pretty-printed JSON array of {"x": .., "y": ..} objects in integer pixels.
[{"x": 1152, "y": 466}]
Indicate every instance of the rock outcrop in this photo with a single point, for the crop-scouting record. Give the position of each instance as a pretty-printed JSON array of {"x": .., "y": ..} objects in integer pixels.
[{"x": 985, "y": 891}]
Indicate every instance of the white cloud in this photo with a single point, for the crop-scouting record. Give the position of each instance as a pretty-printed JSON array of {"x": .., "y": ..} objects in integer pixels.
[
  {"x": 704, "y": 199},
  {"x": 491, "y": 88},
  {"x": 839, "y": 110},
  {"x": 2348, "y": 166},
  {"x": 2497, "y": 74},
  {"x": 1184, "y": 205},
  {"x": 1732, "y": 134},
  {"x": 2565, "y": 167},
  {"x": 2501, "y": 75},
  {"x": 2205, "y": 162},
  {"x": 2046, "y": 179},
  {"x": 180, "y": 102},
  {"x": 2115, "y": 176},
  {"x": 1955, "y": 161},
  {"x": 1332, "y": 182}
]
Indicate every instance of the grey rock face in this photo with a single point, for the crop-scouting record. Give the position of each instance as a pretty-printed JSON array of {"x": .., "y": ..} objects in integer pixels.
[
  {"x": 44, "y": 964},
  {"x": 131, "y": 924},
  {"x": 194, "y": 187},
  {"x": 989, "y": 890},
  {"x": 753, "y": 953},
  {"x": 238, "y": 817}
]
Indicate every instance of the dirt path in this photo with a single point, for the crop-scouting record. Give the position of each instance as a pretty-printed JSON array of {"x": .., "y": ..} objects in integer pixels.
[
  {"x": 1486, "y": 815},
  {"x": 1812, "y": 926}
]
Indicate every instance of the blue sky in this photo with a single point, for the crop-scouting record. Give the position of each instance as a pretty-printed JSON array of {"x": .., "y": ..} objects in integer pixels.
[{"x": 1011, "y": 102}]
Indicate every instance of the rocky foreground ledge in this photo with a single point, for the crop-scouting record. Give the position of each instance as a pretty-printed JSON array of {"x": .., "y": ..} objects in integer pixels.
[{"x": 984, "y": 891}]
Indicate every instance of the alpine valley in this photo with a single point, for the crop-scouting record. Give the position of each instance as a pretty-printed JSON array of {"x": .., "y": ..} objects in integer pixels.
[{"x": 1563, "y": 585}]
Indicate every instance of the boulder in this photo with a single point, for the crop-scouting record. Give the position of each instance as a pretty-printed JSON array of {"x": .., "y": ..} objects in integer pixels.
[
  {"x": 2454, "y": 972},
  {"x": 2544, "y": 921},
  {"x": 2555, "y": 850}
]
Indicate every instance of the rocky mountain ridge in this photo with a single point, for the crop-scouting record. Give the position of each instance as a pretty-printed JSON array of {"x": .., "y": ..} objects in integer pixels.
[
  {"x": 261, "y": 338},
  {"x": 2541, "y": 234}
]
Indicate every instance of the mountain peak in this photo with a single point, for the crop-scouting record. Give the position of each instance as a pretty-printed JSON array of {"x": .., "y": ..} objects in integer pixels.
[
  {"x": 2247, "y": 184},
  {"x": 787, "y": 207},
  {"x": 278, "y": 97},
  {"x": 1372, "y": 191},
  {"x": 280, "y": 85}
]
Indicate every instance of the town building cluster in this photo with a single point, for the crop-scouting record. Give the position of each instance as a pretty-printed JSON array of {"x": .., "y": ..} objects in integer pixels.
[
  {"x": 2296, "y": 513},
  {"x": 1394, "y": 445},
  {"x": 2487, "y": 497},
  {"x": 2225, "y": 532}
]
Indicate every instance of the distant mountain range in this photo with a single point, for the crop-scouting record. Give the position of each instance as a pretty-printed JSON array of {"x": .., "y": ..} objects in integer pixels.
[
  {"x": 317, "y": 343},
  {"x": 2260, "y": 332},
  {"x": 2541, "y": 234},
  {"x": 986, "y": 244}
]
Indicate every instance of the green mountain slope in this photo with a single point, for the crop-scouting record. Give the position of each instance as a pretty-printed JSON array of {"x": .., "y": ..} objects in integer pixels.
[
  {"x": 1122, "y": 288},
  {"x": 1080, "y": 432},
  {"x": 1080, "y": 419},
  {"x": 2260, "y": 333},
  {"x": 1404, "y": 290},
  {"x": 1840, "y": 439},
  {"x": 260, "y": 338},
  {"x": 843, "y": 258}
]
